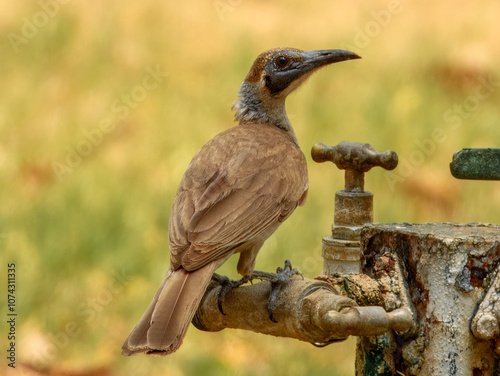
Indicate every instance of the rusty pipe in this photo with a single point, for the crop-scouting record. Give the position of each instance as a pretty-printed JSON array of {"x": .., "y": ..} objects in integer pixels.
[{"x": 307, "y": 310}]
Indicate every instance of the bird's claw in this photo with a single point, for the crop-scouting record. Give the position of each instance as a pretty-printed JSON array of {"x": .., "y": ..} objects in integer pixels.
[
  {"x": 226, "y": 286},
  {"x": 287, "y": 272},
  {"x": 281, "y": 276},
  {"x": 276, "y": 279}
]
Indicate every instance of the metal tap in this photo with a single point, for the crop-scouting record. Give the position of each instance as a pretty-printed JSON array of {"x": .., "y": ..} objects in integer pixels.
[{"x": 353, "y": 205}]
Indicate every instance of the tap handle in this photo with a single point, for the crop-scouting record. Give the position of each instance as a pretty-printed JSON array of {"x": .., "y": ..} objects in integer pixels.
[{"x": 355, "y": 156}]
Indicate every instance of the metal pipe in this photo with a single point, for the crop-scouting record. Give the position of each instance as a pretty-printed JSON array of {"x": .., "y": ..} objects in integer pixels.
[{"x": 307, "y": 310}]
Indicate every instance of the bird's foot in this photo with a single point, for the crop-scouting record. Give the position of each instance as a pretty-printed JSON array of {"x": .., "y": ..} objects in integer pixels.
[
  {"x": 277, "y": 279},
  {"x": 226, "y": 286}
]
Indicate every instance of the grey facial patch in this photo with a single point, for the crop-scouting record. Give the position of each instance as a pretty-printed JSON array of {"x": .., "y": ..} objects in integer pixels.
[{"x": 279, "y": 78}]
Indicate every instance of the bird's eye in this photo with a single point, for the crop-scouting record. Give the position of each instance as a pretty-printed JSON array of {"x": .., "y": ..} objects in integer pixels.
[{"x": 282, "y": 61}]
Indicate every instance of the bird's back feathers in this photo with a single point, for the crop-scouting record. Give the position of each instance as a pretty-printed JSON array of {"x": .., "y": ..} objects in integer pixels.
[{"x": 243, "y": 182}]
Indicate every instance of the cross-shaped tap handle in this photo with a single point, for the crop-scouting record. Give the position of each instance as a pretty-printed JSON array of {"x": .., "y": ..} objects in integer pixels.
[{"x": 355, "y": 158}]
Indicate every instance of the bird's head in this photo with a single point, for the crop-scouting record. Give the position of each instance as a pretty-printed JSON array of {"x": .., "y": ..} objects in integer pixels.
[{"x": 274, "y": 75}]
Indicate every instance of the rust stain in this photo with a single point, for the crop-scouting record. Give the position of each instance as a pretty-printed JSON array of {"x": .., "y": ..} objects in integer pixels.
[{"x": 477, "y": 269}]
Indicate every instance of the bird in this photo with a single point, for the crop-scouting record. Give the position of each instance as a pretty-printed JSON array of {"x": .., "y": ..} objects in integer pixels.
[{"x": 236, "y": 191}]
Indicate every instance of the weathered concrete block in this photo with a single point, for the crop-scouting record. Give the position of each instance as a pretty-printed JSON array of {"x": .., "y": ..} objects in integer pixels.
[{"x": 447, "y": 269}]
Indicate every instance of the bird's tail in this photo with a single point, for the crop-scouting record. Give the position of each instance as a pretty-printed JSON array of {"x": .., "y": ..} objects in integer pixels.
[{"x": 163, "y": 326}]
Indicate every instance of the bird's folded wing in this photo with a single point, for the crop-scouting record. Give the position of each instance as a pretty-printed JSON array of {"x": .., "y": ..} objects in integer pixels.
[{"x": 220, "y": 206}]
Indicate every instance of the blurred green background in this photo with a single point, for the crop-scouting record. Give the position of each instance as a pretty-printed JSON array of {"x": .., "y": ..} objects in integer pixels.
[{"x": 84, "y": 213}]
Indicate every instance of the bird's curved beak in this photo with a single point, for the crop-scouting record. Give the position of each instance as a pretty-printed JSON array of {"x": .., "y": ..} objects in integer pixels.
[
  {"x": 319, "y": 58},
  {"x": 301, "y": 68}
]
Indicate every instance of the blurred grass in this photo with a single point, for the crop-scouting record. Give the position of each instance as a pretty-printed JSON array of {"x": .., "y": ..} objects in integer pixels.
[{"x": 92, "y": 247}]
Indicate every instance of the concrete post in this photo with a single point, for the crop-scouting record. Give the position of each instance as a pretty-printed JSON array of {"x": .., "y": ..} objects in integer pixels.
[{"x": 448, "y": 270}]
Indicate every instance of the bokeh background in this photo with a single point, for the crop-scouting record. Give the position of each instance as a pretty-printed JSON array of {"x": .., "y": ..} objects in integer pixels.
[{"x": 103, "y": 105}]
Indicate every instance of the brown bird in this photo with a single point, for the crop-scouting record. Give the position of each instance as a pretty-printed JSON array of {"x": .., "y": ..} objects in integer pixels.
[{"x": 237, "y": 190}]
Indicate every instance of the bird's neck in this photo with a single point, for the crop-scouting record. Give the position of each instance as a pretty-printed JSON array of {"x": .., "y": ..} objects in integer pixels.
[{"x": 252, "y": 108}]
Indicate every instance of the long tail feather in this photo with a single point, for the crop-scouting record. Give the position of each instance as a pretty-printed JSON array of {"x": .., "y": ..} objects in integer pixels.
[{"x": 164, "y": 324}]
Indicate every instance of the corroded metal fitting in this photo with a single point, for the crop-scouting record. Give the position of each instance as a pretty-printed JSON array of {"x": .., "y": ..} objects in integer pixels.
[
  {"x": 355, "y": 158},
  {"x": 353, "y": 205},
  {"x": 307, "y": 310}
]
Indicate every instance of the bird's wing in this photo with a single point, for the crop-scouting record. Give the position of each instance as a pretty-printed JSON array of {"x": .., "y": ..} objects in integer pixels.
[{"x": 242, "y": 183}]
